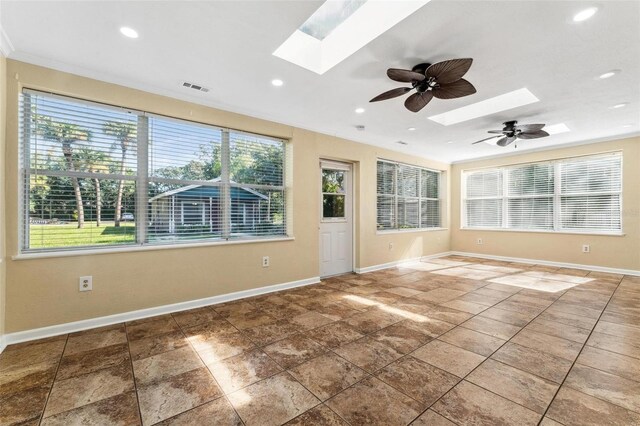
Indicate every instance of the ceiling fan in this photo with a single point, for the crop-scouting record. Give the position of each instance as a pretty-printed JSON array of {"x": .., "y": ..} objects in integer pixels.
[
  {"x": 512, "y": 131},
  {"x": 442, "y": 80}
]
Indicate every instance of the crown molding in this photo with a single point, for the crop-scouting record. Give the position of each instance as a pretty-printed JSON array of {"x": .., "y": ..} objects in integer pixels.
[{"x": 6, "y": 47}]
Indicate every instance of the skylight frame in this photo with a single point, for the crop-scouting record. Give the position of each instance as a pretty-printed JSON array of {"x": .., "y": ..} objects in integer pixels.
[
  {"x": 504, "y": 102},
  {"x": 365, "y": 24}
]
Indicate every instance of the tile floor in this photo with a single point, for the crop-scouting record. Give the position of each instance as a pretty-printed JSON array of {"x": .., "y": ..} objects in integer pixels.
[{"x": 450, "y": 341}]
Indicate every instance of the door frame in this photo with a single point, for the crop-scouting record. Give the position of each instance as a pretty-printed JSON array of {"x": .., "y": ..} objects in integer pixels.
[{"x": 351, "y": 187}]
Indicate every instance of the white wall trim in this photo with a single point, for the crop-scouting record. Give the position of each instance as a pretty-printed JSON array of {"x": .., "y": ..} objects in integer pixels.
[
  {"x": 399, "y": 262},
  {"x": 70, "y": 327},
  {"x": 550, "y": 263}
]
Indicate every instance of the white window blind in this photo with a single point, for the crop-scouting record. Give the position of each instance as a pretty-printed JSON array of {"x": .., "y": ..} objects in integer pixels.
[
  {"x": 575, "y": 194},
  {"x": 96, "y": 175},
  {"x": 407, "y": 196}
]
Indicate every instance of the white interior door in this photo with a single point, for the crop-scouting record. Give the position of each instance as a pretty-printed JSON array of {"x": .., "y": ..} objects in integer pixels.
[{"x": 336, "y": 215}]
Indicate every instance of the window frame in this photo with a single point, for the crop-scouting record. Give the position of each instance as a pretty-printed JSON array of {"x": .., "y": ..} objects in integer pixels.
[
  {"x": 419, "y": 198},
  {"x": 556, "y": 197},
  {"x": 140, "y": 179}
]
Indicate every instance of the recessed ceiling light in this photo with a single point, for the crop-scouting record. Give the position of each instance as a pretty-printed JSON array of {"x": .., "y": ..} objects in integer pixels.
[
  {"x": 277, "y": 82},
  {"x": 608, "y": 74},
  {"x": 622, "y": 105},
  {"x": 411, "y": 129},
  {"x": 554, "y": 129},
  {"x": 449, "y": 141},
  {"x": 583, "y": 15},
  {"x": 129, "y": 32},
  {"x": 359, "y": 110},
  {"x": 489, "y": 106},
  {"x": 339, "y": 28}
]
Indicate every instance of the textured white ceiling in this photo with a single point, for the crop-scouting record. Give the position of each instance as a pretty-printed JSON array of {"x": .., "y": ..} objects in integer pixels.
[{"x": 227, "y": 45}]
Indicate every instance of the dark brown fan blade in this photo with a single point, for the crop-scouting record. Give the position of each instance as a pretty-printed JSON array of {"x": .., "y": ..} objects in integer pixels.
[
  {"x": 417, "y": 101},
  {"x": 457, "y": 89},
  {"x": 393, "y": 93},
  {"x": 496, "y": 131},
  {"x": 506, "y": 140},
  {"x": 404, "y": 76},
  {"x": 485, "y": 139},
  {"x": 529, "y": 128},
  {"x": 533, "y": 135},
  {"x": 449, "y": 71}
]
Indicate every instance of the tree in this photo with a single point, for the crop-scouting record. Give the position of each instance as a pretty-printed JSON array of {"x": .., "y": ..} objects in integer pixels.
[
  {"x": 95, "y": 162},
  {"x": 125, "y": 135},
  {"x": 66, "y": 135}
]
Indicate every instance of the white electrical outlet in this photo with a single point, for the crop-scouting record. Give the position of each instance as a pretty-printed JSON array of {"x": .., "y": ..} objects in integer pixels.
[
  {"x": 586, "y": 248},
  {"x": 265, "y": 261},
  {"x": 390, "y": 246},
  {"x": 479, "y": 241},
  {"x": 86, "y": 283}
]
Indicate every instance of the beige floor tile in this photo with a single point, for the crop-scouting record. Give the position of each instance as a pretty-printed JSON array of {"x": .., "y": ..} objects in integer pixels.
[
  {"x": 167, "y": 364},
  {"x": 447, "y": 357},
  {"x": 417, "y": 379},
  {"x": 491, "y": 327},
  {"x": 550, "y": 344},
  {"x": 90, "y": 341},
  {"x": 468, "y": 404},
  {"x": 24, "y": 406},
  {"x": 533, "y": 361},
  {"x": 516, "y": 385},
  {"x": 92, "y": 360},
  {"x": 519, "y": 319},
  {"x": 293, "y": 350},
  {"x": 371, "y": 401},
  {"x": 327, "y": 375},
  {"x": 403, "y": 336},
  {"x": 565, "y": 331},
  {"x": 573, "y": 408},
  {"x": 473, "y": 341},
  {"x": 368, "y": 354},
  {"x": 120, "y": 409},
  {"x": 431, "y": 418},
  {"x": 611, "y": 362},
  {"x": 273, "y": 401},
  {"x": 166, "y": 398},
  {"x": 242, "y": 370},
  {"x": 320, "y": 415},
  {"x": 614, "y": 389},
  {"x": 335, "y": 334},
  {"x": 216, "y": 412}
]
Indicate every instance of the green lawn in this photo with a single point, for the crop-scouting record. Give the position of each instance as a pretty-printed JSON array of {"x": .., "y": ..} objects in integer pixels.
[{"x": 68, "y": 235}]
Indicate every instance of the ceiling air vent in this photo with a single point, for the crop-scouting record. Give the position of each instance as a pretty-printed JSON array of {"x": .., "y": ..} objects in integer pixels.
[
  {"x": 195, "y": 87},
  {"x": 402, "y": 143}
]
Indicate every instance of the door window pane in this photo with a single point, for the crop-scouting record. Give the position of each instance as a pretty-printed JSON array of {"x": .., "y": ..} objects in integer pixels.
[
  {"x": 333, "y": 181},
  {"x": 333, "y": 206}
]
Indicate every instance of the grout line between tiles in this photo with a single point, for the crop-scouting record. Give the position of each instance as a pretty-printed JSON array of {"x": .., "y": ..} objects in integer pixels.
[{"x": 44, "y": 407}]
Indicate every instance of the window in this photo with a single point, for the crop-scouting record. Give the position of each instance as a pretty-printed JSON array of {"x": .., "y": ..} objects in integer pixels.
[
  {"x": 333, "y": 194},
  {"x": 95, "y": 176},
  {"x": 408, "y": 196},
  {"x": 575, "y": 194}
]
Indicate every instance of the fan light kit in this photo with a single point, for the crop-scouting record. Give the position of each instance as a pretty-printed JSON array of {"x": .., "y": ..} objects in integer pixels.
[
  {"x": 442, "y": 80},
  {"x": 512, "y": 131},
  {"x": 585, "y": 14},
  {"x": 277, "y": 82},
  {"x": 129, "y": 32}
]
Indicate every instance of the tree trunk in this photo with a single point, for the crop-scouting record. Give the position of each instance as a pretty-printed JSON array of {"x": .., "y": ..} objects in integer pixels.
[
  {"x": 98, "y": 203},
  {"x": 76, "y": 186},
  {"x": 118, "y": 217}
]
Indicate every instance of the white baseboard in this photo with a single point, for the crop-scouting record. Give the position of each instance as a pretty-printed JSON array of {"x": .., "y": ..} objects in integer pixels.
[
  {"x": 549, "y": 263},
  {"x": 399, "y": 263},
  {"x": 70, "y": 327}
]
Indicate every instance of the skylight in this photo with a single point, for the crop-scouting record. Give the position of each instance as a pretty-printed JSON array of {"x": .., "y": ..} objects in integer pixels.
[
  {"x": 339, "y": 28},
  {"x": 489, "y": 106},
  {"x": 329, "y": 16}
]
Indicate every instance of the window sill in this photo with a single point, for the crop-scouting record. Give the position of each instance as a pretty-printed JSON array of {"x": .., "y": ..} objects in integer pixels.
[
  {"x": 135, "y": 248},
  {"x": 541, "y": 231},
  {"x": 404, "y": 231}
]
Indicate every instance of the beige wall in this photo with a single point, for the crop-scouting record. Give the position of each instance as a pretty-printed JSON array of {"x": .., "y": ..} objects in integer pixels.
[
  {"x": 42, "y": 292},
  {"x": 608, "y": 251},
  {"x": 3, "y": 104}
]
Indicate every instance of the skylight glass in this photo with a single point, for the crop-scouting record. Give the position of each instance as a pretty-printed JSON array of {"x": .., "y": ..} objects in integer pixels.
[
  {"x": 328, "y": 16},
  {"x": 339, "y": 28}
]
